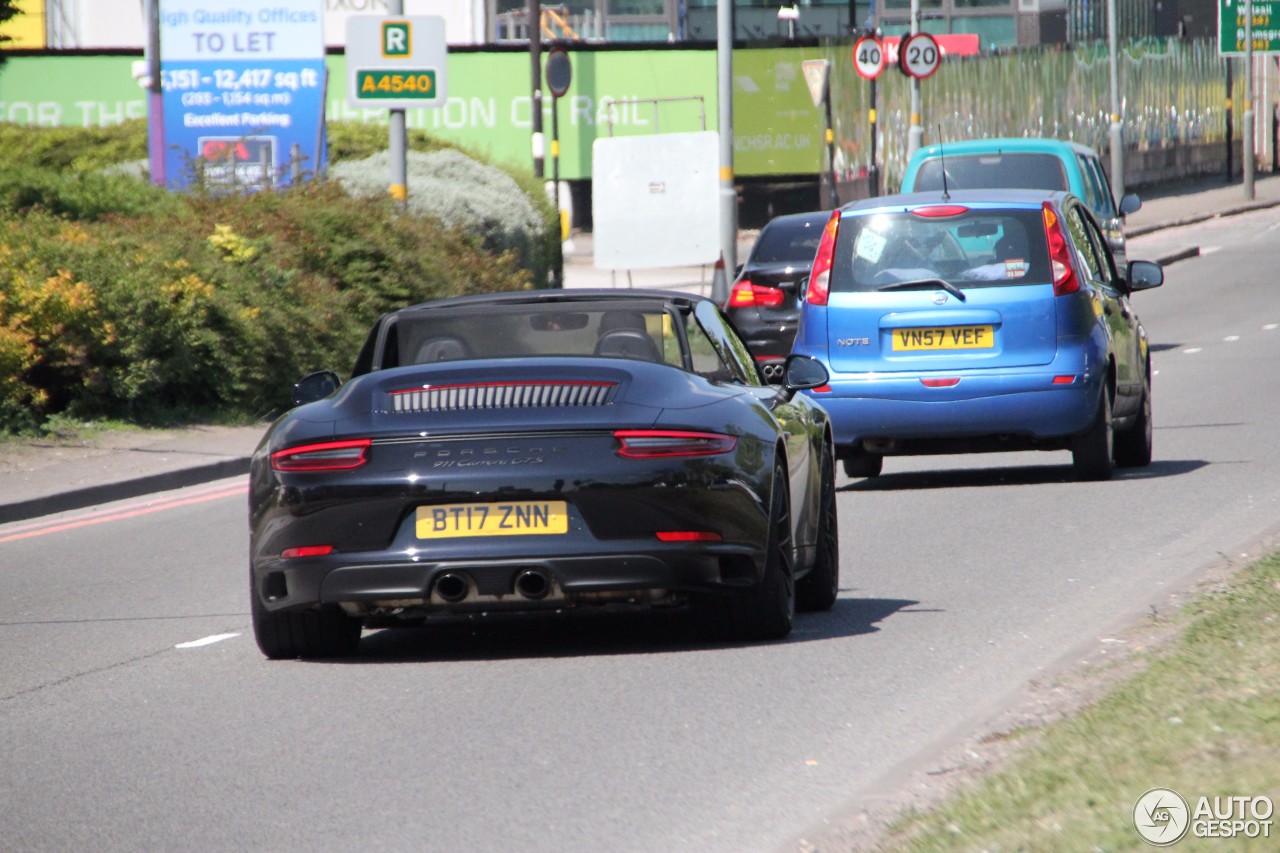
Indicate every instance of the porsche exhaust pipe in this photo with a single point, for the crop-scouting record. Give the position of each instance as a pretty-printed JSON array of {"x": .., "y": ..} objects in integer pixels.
[
  {"x": 452, "y": 587},
  {"x": 533, "y": 584}
]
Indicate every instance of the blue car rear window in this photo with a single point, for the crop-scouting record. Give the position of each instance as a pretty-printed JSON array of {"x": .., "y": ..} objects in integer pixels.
[
  {"x": 976, "y": 248},
  {"x": 992, "y": 171}
]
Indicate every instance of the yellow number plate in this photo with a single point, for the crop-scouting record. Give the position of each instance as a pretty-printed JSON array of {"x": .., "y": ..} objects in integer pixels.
[
  {"x": 944, "y": 337},
  {"x": 516, "y": 518}
]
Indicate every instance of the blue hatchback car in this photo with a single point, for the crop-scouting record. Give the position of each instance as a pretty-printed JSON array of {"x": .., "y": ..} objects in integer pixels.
[{"x": 987, "y": 320}]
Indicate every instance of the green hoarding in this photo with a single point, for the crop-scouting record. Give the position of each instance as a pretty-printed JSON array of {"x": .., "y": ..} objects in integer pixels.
[{"x": 777, "y": 130}]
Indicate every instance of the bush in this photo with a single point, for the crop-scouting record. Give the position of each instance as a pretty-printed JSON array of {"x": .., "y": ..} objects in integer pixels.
[{"x": 120, "y": 300}]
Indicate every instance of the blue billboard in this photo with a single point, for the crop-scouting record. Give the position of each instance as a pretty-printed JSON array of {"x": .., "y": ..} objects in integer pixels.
[{"x": 243, "y": 92}]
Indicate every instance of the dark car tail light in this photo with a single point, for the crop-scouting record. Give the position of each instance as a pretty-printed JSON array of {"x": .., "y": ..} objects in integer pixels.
[
  {"x": 650, "y": 443},
  {"x": 820, "y": 275},
  {"x": 688, "y": 536},
  {"x": 748, "y": 294},
  {"x": 1064, "y": 276},
  {"x": 307, "y": 551},
  {"x": 323, "y": 456}
]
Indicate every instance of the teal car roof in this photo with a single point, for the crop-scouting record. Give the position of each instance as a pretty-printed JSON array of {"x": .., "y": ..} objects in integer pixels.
[{"x": 1012, "y": 144}]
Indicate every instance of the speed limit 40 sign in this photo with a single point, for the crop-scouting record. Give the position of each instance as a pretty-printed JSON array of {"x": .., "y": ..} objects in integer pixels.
[
  {"x": 919, "y": 56},
  {"x": 868, "y": 57}
]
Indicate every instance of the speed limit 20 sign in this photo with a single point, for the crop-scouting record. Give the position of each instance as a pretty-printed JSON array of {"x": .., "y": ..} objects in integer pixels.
[
  {"x": 919, "y": 56},
  {"x": 868, "y": 57}
]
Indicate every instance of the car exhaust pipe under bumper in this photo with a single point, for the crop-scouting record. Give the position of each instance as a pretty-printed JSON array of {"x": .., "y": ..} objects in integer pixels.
[
  {"x": 452, "y": 587},
  {"x": 533, "y": 584}
]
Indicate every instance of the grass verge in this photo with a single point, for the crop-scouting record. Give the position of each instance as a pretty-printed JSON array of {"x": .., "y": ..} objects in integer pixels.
[{"x": 1202, "y": 718}]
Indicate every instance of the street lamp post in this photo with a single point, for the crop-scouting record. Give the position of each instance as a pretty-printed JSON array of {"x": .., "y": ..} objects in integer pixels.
[
  {"x": 1247, "y": 141},
  {"x": 1117, "y": 129},
  {"x": 915, "y": 135},
  {"x": 724, "y": 94}
]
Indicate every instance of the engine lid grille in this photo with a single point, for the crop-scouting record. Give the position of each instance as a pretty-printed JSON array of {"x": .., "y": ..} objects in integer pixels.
[{"x": 527, "y": 394}]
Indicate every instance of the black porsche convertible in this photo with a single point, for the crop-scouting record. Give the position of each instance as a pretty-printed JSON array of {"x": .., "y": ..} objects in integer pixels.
[{"x": 543, "y": 450}]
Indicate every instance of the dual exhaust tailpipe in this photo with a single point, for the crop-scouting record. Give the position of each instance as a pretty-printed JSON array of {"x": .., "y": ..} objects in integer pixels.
[
  {"x": 455, "y": 587},
  {"x": 772, "y": 371}
]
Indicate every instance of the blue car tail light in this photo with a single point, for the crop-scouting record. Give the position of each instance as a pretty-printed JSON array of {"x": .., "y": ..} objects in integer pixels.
[
  {"x": 1064, "y": 277},
  {"x": 820, "y": 275}
]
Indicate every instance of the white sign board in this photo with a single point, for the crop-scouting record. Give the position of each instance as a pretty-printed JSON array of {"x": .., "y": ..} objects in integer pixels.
[
  {"x": 396, "y": 63},
  {"x": 655, "y": 200}
]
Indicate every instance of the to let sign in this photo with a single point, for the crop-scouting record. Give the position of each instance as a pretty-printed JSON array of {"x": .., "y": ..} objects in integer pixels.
[
  {"x": 1266, "y": 26},
  {"x": 396, "y": 63}
]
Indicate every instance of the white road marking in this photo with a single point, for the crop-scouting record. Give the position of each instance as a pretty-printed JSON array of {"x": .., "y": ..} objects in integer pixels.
[
  {"x": 1191, "y": 350},
  {"x": 1230, "y": 338},
  {"x": 205, "y": 641},
  {"x": 1270, "y": 327},
  {"x": 1209, "y": 250}
]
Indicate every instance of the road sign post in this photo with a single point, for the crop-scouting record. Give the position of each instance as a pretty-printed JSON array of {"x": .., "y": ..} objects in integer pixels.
[
  {"x": 817, "y": 74},
  {"x": 1247, "y": 27},
  {"x": 396, "y": 63},
  {"x": 869, "y": 59},
  {"x": 559, "y": 75}
]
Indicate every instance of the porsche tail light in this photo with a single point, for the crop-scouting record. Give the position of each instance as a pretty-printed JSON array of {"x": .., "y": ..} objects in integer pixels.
[
  {"x": 323, "y": 456},
  {"x": 1064, "y": 276},
  {"x": 820, "y": 275},
  {"x": 688, "y": 536},
  {"x": 748, "y": 294},
  {"x": 307, "y": 551},
  {"x": 651, "y": 443}
]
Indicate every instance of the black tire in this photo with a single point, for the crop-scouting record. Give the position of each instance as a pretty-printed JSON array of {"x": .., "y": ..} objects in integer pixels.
[
  {"x": 768, "y": 611},
  {"x": 863, "y": 464},
  {"x": 324, "y": 632},
  {"x": 1134, "y": 445},
  {"x": 1093, "y": 451},
  {"x": 818, "y": 590}
]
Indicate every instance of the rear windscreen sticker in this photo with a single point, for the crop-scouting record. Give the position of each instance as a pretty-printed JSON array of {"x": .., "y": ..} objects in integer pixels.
[{"x": 870, "y": 245}]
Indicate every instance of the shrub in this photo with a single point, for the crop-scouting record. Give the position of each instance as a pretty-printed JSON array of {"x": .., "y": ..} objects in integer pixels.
[{"x": 121, "y": 300}]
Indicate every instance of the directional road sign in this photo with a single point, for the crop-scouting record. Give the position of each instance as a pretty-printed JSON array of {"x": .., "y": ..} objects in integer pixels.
[
  {"x": 1266, "y": 26},
  {"x": 396, "y": 63}
]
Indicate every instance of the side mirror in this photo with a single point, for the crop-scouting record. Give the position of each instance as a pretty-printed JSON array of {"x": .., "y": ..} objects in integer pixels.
[
  {"x": 803, "y": 372},
  {"x": 1129, "y": 204},
  {"x": 1144, "y": 275},
  {"x": 315, "y": 386}
]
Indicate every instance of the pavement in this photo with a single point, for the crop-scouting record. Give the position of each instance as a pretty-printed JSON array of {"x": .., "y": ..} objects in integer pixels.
[{"x": 41, "y": 476}]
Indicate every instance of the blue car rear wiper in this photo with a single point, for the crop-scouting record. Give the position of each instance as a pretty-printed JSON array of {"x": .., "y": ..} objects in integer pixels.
[{"x": 923, "y": 283}]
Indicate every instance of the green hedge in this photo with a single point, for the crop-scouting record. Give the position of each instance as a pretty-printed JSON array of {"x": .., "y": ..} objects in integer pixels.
[{"x": 120, "y": 300}]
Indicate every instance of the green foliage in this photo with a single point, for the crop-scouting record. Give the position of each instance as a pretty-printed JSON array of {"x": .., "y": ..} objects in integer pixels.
[
  {"x": 73, "y": 148},
  {"x": 79, "y": 195},
  {"x": 349, "y": 140},
  {"x": 121, "y": 300}
]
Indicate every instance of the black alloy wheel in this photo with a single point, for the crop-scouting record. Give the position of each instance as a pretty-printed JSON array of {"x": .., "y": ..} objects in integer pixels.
[{"x": 818, "y": 590}]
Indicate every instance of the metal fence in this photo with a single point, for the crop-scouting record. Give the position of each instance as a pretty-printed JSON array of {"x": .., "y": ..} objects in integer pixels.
[{"x": 1173, "y": 93}]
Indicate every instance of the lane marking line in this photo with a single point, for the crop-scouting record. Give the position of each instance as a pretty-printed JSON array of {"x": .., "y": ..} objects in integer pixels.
[
  {"x": 1190, "y": 351},
  {"x": 205, "y": 641}
]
